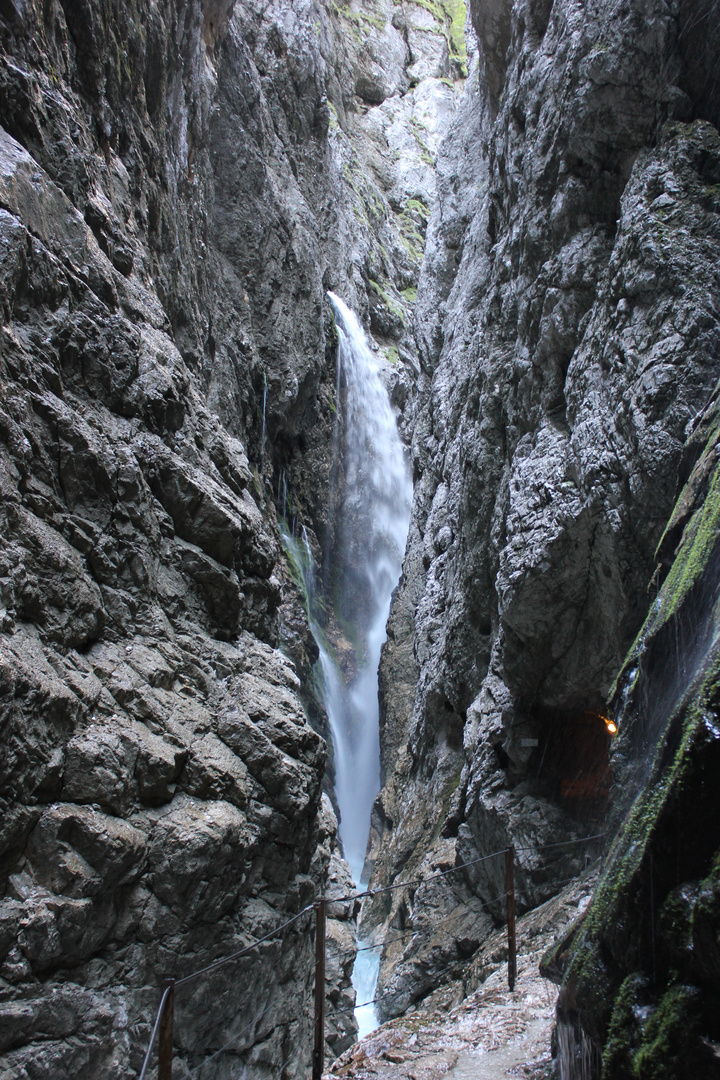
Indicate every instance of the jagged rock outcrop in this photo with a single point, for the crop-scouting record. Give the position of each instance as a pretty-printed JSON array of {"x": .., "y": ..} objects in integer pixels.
[
  {"x": 322, "y": 140},
  {"x": 568, "y": 330},
  {"x": 640, "y": 971},
  {"x": 321, "y": 145},
  {"x": 160, "y": 781},
  {"x": 179, "y": 184}
]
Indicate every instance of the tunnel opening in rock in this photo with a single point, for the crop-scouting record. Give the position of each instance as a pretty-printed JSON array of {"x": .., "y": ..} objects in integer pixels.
[{"x": 574, "y": 763}]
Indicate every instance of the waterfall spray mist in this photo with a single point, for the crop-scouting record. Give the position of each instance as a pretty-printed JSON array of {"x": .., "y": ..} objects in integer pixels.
[
  {"x": 363, "y": 559},
  {"x": 372, "y": 525}
]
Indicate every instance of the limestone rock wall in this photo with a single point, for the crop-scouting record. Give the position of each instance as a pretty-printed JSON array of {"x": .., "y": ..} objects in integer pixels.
[
  {"x": 640, "y": 969},
  {"x": 180, "y": 182},
  {"x": 568, "y": 334},
  {"x": 321, "y": 140},
  {"x": 160, "y": 782}
]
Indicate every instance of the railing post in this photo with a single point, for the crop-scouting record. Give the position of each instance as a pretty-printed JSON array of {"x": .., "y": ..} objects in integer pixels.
[
  {"x": 510, "y": 896},
  {"x": 165, "y": 1035},
  {"x": 318, "y": 1061}
]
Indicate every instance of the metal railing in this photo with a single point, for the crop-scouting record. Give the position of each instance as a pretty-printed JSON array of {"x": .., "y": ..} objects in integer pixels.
[{"x": 162, "y": 1032}]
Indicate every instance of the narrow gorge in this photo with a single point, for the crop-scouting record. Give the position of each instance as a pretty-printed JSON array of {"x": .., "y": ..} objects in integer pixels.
[{"x": 359, "y": 519}]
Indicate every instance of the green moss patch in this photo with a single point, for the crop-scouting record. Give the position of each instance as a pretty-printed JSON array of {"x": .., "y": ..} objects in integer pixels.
[
  {"x": 643, "y": 922},
  {"x": 450, "y": 16},
  {"x": 663, "y": 1053},
  {"x": 695, "y": 523},
  {"x": 625, "y": 1031},
  {"x": 698, "y": 544},
  {"x": 388, "y": 300}
]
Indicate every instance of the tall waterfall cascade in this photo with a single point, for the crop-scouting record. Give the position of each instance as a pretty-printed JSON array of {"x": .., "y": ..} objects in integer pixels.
[
  {"x": 371, "y": 532},
  {"x": 370, "y": 529}
]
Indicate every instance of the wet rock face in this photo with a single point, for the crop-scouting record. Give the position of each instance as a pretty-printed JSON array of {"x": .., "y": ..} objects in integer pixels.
[
  {"x": 180, "y": 182},
  {"x": 640, "y": 972},
  {"x": 321, "y": 140},
  {"x": 322, "y": 143},
  {"x": 568, "y": 333},
  {"x": 159, "y": 781}
]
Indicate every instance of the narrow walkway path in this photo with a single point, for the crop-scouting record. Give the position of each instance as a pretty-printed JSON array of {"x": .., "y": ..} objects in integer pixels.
[
  {"x": 527, "y": 1056},
  {"x": 476, "y": 1029}
]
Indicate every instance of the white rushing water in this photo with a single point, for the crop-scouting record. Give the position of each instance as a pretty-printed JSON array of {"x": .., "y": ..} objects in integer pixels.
[
  {"x": 372, "y": 530},
  {"x": 371, "y": 527}
]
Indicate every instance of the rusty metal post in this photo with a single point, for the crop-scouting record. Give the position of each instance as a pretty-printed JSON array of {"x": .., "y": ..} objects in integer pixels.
[
  {"x": 165, "y": 1035},
  {"x": 510, "y": 896},
  {"x": 318, "y": 1061}
]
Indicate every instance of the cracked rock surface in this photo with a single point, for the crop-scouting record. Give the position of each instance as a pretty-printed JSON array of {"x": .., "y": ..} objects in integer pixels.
[
  {"x": 180, "y": 182},
  {"x": 568, "y": 328}
]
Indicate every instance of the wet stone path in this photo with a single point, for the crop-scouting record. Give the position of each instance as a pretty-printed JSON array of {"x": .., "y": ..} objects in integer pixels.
[{"x": 476, "y": 1029}]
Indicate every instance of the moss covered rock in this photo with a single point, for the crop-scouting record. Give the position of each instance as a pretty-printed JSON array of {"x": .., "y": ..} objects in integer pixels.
[{"x": 641, "y": 981}]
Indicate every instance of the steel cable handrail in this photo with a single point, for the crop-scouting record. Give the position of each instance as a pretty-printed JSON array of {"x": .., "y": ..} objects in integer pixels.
[
  {"x": 411, "y": 933},
  {"x": 153, "y": 1037},
  {"x": 244, "y": 951},
  {"x": 204, "y": 971},
  {"x": 405, "y": 933},
  {"x": 216, "y": 964},
  {"x": 564, "y": 843},
  {"x": 412, "y": 881},
  {"x": 453, "y": 869}
]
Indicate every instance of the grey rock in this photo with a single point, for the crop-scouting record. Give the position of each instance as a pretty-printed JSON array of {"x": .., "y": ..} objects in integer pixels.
[
  {"x": 567, "y": 334},
  {"x": 160, "y": 784},
  {"x": 340, "y": 1024},
  {"x": 168, "y": 234}
]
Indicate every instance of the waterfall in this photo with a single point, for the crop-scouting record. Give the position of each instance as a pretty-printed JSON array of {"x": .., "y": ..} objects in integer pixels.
[
  {"x": 372, "y": 527},
  {"x": 368, "y": 534},
  {"x": 262, "y": 436}
]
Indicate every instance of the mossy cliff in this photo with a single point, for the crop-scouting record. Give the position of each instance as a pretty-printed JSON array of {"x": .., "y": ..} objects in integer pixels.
[{"x": 641, "y": 987}]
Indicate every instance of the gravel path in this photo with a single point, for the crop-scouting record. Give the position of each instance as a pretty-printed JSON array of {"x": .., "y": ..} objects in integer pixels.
[
  {"x": 477, "y": 1029},
  {"x": 528, "y": 1055}
]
